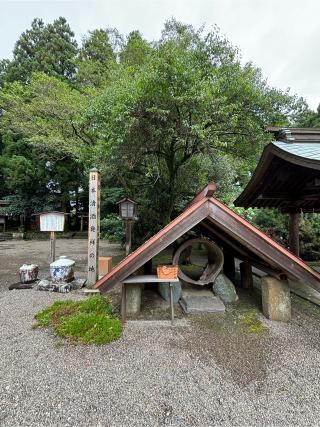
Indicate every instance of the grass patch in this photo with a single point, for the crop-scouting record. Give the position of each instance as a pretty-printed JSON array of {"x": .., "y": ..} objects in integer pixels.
[
  {"x": 252, "y": 323},
  {"x": 91, "y": 321}
]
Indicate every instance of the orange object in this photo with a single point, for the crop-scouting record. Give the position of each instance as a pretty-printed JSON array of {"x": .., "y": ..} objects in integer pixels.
[
  {"x": 167, "y": 271},
  {"x": 105, "y": 265}
]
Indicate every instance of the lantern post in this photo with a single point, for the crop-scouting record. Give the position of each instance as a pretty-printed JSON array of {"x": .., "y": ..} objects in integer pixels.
[
  {"x": 128, "y": 212},
  {"x": 94, "y": 226}
]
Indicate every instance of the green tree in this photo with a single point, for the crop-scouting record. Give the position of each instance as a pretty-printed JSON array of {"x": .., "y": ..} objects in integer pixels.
[
  {"x": 35, "y": 181},
  {"x": 96, "y": 59},
  {"x": 135, "y": 51},
  {"x": 49, "y": 48},
  {"x": 309, "y": 118},
  {"x": 50, "y": 113},
  {"x": 191, "y": 98}
]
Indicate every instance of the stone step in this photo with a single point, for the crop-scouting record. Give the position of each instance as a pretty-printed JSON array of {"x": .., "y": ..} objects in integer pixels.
[{"x": 200, "y": 301}]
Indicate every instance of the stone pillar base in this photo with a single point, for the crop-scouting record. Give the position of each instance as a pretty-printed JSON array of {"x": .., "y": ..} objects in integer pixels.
[
  {"x": 276, "y": 302},
  {"x": 134, "y": 296},
  {"x": 164, "y": 291}
]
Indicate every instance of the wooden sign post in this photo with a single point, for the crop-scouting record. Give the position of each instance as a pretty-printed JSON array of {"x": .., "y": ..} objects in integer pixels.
[{"x": 94, "y": 226}]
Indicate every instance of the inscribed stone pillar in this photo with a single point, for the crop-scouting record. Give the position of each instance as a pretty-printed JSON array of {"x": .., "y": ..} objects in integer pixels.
[
  {"x": 276, "y": 302},
  {"x": 94, "y": 226}
]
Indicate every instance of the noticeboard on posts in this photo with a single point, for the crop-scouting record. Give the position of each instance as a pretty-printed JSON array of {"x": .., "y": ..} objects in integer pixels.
[{"x": 52, "y": 221}]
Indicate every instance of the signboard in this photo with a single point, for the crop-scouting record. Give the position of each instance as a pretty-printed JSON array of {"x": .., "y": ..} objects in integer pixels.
[
  {"x": 94, "y": 226},
  {"x": 53, "y": 221}
]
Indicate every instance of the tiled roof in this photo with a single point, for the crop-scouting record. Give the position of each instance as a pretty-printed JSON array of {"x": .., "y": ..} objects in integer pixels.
[{"x": 307, "y": 150}]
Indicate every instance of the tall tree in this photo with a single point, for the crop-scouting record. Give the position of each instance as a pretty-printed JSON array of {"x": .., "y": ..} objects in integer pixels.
[
  {"x": 49, "y": 48},
  {"x": 97, "y": 58},
  {"x": 135, "y": 51},
  {"x": 50, "y": 113},
  {"x": 192, "y": 98}
]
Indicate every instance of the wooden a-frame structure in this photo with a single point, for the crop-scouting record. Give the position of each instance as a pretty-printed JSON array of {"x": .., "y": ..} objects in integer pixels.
[{"x": 233, "y": 233}]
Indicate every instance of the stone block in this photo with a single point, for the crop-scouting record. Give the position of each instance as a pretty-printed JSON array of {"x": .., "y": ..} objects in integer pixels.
[
  {"x": 77, "y": 284},
  {"x": 88, "y": 291},
  {"x": 224, "y": 289},
  {"x": 276, "y": 302},
  {"x": 134, "y": 296},
  {"x": 164, "y": 291},
  {"x": 202, "y": 303}
]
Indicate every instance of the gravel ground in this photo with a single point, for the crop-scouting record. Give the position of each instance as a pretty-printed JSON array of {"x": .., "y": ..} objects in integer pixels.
[
  {"x": 14, "y": 253},
  {"x": 204, "y": 371}
]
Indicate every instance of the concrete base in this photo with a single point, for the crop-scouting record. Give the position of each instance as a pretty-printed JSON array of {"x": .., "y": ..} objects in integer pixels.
[
  {"x": 276, "y": 302},
  {"x": 200, "y": 301},
  {"x": 133, "y": 300},
  {"x": 164, "y": 291},
  {"x": 90, "y": 292}
]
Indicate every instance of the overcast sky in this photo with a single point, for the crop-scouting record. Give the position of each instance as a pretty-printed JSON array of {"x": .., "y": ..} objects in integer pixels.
[{"x": 280, "y": 36}]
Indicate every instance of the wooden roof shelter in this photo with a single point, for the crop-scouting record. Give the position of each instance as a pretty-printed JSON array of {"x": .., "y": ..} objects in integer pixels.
[
  {"x": 233, "y": 233},
  {"x": 287, "y": 177}
]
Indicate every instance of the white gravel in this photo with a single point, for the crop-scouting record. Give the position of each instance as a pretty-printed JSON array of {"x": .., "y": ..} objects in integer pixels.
[{"x": 187, "y": 375}]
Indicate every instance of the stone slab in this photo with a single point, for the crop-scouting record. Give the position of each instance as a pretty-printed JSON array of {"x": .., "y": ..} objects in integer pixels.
[
  {"x": 202, "y": 302},
  {"x": 87, "y": 291}
]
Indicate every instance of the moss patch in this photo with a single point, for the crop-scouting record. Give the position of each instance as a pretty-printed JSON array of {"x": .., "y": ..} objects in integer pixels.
[
  {"x": 91, "y": 321},
  {"x": 252, "y": 323}
]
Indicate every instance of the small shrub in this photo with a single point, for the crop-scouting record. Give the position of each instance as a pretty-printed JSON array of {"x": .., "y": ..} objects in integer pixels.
[{"x": 91, "y": 321}]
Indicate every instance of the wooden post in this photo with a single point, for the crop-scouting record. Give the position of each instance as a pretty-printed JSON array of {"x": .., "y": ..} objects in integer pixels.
[
  {"x": 246, "y": 275},
  {"x": 128, "y": 236},
  {"x": 52, "y": 246},
  {"x": 94, "y": 226},
  {"x": 229, "y": 265},
  {"x": 294, "y": 232}
]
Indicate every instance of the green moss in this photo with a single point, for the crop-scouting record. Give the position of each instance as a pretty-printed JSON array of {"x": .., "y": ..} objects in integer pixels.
[
  {"x": 252, "y": 323},
  {"x": 44, "y": 317},
  {"x": 90, "y": 321},
  {"x": 90, "y": 328}
]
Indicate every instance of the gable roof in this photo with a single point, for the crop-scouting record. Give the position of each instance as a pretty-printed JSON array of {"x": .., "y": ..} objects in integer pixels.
[
  {"x": 232, "y": 232},
  {"x": 287, "y": 177}
]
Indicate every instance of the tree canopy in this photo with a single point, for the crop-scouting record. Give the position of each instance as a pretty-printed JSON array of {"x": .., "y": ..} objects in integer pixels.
[{"x": 159, "y": 119}]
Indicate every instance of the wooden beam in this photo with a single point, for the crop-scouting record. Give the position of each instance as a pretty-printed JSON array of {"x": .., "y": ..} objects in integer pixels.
[
  {"x": 140, "y": 257},
  {"x": 238, "y": 250},
  {"x": 261, "y": 247},
  {"x": 246, "y": 275}
]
